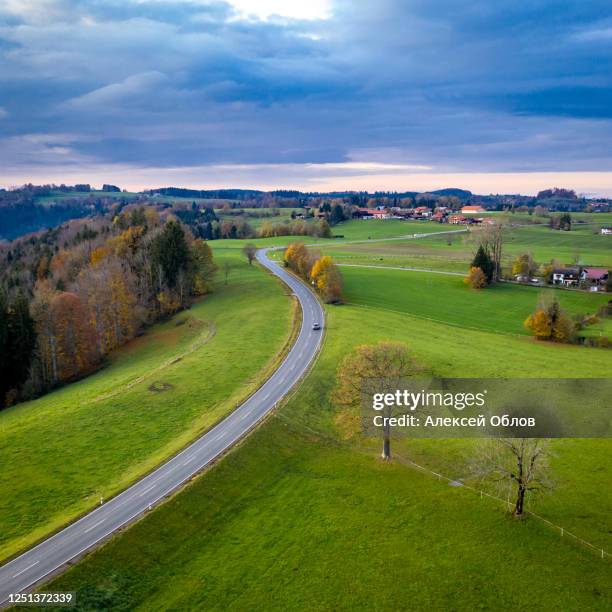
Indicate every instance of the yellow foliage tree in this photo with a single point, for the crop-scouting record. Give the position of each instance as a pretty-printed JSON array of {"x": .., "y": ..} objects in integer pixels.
[
  {"x": 549, "y": 322},
  {"x": 327, "y": 279},
  {"x": 297, "y": 258},
  {"x": 476, "y": 278},
  {"x": 539, "y": 324}
]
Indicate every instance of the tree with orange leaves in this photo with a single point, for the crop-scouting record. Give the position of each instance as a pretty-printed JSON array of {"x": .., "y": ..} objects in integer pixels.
[{"x": 327, "y": 279}]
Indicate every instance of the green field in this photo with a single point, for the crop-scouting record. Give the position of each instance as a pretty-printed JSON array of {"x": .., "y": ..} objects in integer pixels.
[
  {"x": 447, "y": 299},
  {"x": 303, "y": 515},
  {"x": 256, "y": 222},
  {"x": 60, "y": 453},
  {"x": 453, "y": 253},
  {"x": 59, "y": 196}
]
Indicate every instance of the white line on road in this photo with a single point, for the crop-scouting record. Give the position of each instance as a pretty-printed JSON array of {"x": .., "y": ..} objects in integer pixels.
[
  {"x": 93, "y": 526},
  {"x": 147, "y": 490},
  {"x": 25, "y": 569}
]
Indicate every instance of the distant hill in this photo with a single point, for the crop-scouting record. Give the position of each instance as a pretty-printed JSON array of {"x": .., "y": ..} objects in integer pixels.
[
  {"x": 462, "y": 194},
  {"x": 207, "y": 194}
]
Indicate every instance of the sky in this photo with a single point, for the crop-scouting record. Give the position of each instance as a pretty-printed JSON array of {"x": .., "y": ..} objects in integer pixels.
[{"x": 496, "y": 97}]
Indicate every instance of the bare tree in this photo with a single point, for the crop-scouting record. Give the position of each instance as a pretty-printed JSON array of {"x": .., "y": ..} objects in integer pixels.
[
  {"x": 491, "y": 237},
  {"x": 521, "y": 463},
  {"x": 249, "y": 250},
  {"x": 227, "y": 268}
]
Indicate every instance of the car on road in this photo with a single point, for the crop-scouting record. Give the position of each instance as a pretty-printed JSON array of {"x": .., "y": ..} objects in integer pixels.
[{"x": 316, "y": 326}]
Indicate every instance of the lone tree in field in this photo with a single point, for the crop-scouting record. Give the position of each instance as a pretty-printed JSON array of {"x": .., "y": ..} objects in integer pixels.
[
  {"x": 388, "y": 361},
  {"x": 549, "y": 322},
  {"x": 227, "y": 268},
  {"x": 522, "y": 463},
  {"x": 249, "y": 250}
]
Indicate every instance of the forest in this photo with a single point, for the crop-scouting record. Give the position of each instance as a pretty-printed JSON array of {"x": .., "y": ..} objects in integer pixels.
[{"x": 72, "y": 294}]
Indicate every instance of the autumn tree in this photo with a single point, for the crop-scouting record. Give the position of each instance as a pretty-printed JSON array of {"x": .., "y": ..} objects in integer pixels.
[
  {"x": 476, "y": 278},
  {"x": 384, "y": 363},
  {"x": 520, "y": 462},
  {"x": 327, "y": 279},
  {"x": 549, "y": 322},
  {"x": 205, "y": 267},
  {"x": 295, "y": 255},
  {"x": 249, "y": 251},
  {"x": 524, "y": 265},
  {"x": 300, "y": 259}
]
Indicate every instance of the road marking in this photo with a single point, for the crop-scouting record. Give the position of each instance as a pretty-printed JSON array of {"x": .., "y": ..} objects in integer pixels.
[
  {"x": 168, "y": 471},
  {"x": 189, "y": 460},
  {"x": 26, "y": 569},
  {"x": 147, "y": 490},
  {"x": 94, "y": 526}
]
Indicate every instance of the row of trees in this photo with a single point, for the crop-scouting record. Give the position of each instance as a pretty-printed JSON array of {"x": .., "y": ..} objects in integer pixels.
[
  {"x": 87, "y": 290},
  {"x": 318, "y": 229},
  {"x": 321, "y": 272}
]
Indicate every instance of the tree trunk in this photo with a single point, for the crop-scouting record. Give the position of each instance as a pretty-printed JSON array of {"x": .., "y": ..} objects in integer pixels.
[
  {"x": 520, "y": 501},
  {"x": 386, "y": 452}
]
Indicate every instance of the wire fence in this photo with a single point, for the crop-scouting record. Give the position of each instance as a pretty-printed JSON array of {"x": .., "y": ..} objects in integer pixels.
[{"x": 564, "y": 533}]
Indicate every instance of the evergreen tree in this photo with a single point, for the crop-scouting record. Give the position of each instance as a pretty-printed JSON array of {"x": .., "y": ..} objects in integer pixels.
[
  {"x": 483, "y": 261},
  {"x": 337, "y": 214},
  {"x": 169, "y": 251},
  {"x": 4, "y": 353},
  {"x": 18, "y": 339}
]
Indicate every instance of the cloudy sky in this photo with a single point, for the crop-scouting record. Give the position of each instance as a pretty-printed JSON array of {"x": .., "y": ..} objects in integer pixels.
[{"x": 504, "y": 96}]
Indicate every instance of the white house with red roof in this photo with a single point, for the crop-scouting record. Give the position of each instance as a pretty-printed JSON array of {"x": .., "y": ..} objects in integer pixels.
[
  {"x": 594, "y": 278},
  {"x": 472, "y": 210}
]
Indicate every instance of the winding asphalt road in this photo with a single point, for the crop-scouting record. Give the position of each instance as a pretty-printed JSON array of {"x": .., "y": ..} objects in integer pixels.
[{"x": 52, "y": 554}]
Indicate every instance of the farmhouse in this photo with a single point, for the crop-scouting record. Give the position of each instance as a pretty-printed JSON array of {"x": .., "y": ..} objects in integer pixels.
[
  {"x": 472, "y": 210},
  {"x": 594, "y": 278},
  {"x": 372, "y": 213},
  {"x": 568, "y": 277},
  {"x": 457, "y": 219}
]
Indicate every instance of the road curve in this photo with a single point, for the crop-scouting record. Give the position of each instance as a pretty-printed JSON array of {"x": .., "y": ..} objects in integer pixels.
[{"x": 50, "y": 555}]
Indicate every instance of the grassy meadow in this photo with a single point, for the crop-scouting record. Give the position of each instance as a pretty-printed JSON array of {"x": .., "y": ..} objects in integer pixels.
[
  {"x": 63, "y": 451},
  {"x": 447, "y": 299},
  {"x": 453, "y": 252},
  {"x": 304, "y": 515}
]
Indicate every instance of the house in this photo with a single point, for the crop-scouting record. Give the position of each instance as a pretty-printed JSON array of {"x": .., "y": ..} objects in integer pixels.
[
  {"x": 371, "y": 213},
  {"x": 422, "y": 211},
  {"x": 594, "y": 278},
  {"x": 472, "y": 210},
  {"x": 314, "y": 211},
  {"x": 457, "y": 220},
  {"x": 439, "y": 216},
  {"x": 568, "y": 277},
  {"x": 606, "y": 231}
]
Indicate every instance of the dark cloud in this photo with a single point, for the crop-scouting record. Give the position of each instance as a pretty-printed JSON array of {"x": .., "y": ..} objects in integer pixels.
[{"x": 457, "y": 85}]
